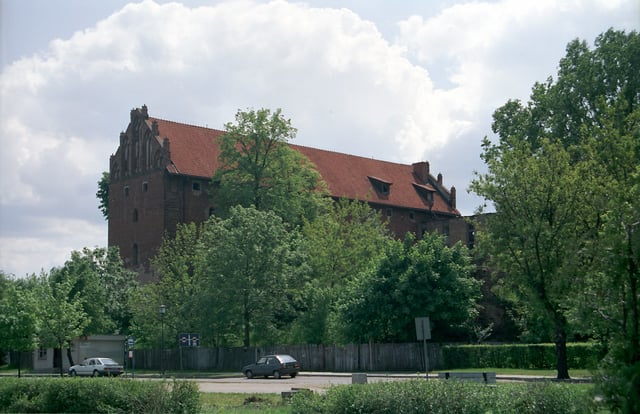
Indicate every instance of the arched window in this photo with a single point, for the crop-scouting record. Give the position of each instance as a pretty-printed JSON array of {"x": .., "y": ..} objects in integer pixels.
[{"x": 135, "y": 215}]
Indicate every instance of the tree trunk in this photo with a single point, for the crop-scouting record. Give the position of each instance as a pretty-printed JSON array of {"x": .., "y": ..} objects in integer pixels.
[
  {"x": 561, "y": 352},
  {"x": 69, "y": 356},
  {"x": 246, "y": 318}
]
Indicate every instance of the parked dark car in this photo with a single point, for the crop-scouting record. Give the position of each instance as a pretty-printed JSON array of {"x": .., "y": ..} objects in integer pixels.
[
  {"x": 273, "y": 365},
  {"x": 97, "y": 367}
]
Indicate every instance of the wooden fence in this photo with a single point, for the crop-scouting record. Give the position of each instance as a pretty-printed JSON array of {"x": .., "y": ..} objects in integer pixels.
[{"x": 334, "y": 358}]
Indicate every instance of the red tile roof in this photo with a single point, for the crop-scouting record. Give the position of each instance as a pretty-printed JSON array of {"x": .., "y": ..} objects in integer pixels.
[{"x": 194, "y": 153}]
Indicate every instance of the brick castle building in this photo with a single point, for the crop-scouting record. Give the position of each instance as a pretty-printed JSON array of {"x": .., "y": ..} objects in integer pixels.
[{"x": 160, "y": 173}]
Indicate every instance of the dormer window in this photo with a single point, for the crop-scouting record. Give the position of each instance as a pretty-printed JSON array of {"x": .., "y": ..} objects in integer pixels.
[
  {"x": 382, "y": 187},
  {"x": 426, "y": 192}
]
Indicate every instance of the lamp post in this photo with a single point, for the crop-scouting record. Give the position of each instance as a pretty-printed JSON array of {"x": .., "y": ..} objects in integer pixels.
[{"x": 162, "y": 309}]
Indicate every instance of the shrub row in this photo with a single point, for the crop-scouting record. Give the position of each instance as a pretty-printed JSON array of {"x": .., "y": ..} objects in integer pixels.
[
  {"x": 419, "y": 396},
  {"x": 527, "y": 356},
  {"x": 97, "y": 395}
]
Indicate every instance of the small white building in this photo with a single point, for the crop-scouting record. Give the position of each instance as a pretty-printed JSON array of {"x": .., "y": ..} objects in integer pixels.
[{"x": 108, "y": 346}]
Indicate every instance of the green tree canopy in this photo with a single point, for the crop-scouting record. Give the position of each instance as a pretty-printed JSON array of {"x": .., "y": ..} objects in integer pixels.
[
  {"x": 559, "y": 177},
  {"x": 258, "y": 168},
  {"x": 426, "y": 278},
  {"x": 342, "y": 243},
  {"x": 247, "y": 266}
]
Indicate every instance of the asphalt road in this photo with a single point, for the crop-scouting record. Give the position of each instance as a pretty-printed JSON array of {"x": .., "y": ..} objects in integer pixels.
[{"x": 316, "y": 382}]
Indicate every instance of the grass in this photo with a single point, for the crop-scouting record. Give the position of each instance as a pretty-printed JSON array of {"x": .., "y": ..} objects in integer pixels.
[{"x": 238, "y": 403}]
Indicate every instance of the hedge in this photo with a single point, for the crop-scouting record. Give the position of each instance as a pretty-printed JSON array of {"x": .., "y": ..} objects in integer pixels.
[
  {"x": 419, "y": 396},
  {"x": 97, "y": 395},
  {"x": 527, "y": 356}
]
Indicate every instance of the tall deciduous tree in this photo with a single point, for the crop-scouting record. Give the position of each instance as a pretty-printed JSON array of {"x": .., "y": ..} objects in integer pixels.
[
  {"x": 537, "y": 229},
  {"x": 591, "y": 113},
  {"x": 342, "y": 243},
  {"x": 63, "y": 318},
  {"x": 18, "y": 315},
  {"x": 426, "y": 278},
  {"x": 247, "y": 263},
  {"x": 258, "y": 168}
]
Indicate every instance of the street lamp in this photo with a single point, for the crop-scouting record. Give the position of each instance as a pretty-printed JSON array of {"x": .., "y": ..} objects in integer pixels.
[{"x": 162, "y": 309}]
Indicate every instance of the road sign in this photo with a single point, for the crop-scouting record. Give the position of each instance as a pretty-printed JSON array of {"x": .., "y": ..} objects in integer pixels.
[
  {"x": 189, "y": 339},
  {"x": 423, "y": 329},
  {"x": 131, "y": 341}
]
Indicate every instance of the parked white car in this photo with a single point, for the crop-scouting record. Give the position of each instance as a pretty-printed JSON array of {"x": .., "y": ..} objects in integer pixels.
[{"x": 97, "y": 367}]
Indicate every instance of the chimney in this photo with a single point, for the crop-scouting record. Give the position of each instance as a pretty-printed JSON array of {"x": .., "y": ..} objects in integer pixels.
[
  {"x": 439, "y": 179},
  {"x": 452, "y": 197},
  {"x": 421, "y": 170}
]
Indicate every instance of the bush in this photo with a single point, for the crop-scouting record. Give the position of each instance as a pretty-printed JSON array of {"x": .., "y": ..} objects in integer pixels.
[
  {"x": 419, "y": 396},
  {"x": 527, "y": 356},
  {"x": 97, "y": 395}
]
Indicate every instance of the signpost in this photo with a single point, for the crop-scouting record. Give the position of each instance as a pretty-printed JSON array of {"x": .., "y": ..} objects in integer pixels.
[
  {"x": 187, "y": 340},
  {"x": 423, "y": 332},
  {"x": 131, "y": 342}
]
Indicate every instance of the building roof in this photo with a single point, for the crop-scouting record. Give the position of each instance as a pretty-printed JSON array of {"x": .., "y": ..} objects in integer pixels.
[{"x": 194, "y": 153}]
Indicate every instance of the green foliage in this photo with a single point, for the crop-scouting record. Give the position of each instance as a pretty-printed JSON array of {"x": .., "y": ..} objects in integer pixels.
[
  {"x": 103, "y": 395},
  {"x": 101, "y": 284},
  {"x": 258, "y": 168},
  {"x": 419, "y": 396},
  {"x": 18, "y": 315},
  {"x": 341, "y": 244},
  {"x": 248, "y": 263},
  {"x": 178, "y": 288},
  {"x": 103, "y": 194},
  {"x": 412, "y": 280},
  {"x": 559, "y": 179},
  {"x": 523, "y": 356}
]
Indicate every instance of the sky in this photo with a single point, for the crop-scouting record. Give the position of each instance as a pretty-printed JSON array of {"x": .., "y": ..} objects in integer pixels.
[{"x": 401, "y": 81}]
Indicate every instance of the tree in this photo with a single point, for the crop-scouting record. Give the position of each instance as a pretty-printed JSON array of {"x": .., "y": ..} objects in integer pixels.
[
  {"x": 103, "y": 286},
  {"x": 103, "y": 194},
  {"x": 62, "y": 315},
  {"x": 258, "y": 168},
  {"x": 18, "y": 316},
  {"x": 247, "y": 265},
  {"x": 537, "y": 229},
  {"x": 587, "y": 120},
  {"x": 426, "y": 278},
  {"x": 345, "y": 241},
  {"x": 178, "y": 288}
]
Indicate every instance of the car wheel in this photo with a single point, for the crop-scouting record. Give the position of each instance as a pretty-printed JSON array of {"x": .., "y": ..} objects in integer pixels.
[
  {"x": 293, "y": 375},
  {"x": 276, "y": 374},
  {"x": 72, "y": 373},
  {"x": 95, "y": 373},
  {"x": 249, "y": 374}
]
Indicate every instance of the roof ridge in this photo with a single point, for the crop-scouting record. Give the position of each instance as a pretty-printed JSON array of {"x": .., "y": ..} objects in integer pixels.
[
  {"x": 349, "y": 155},
  {"x": 152, "y": 118}
]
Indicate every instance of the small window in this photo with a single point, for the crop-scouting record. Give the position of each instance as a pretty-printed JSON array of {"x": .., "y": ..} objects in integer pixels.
[
  {"x": 145, "y": 187},
  {"x": 389, "y": 212},
  {"x": 384, "y": 188},
  {"x": 126, "y": 191},
  {"x": 412, "y": 216},
  {"x": 134, "y": 254},
  {"x": 195, "y": 186},
  {"x": 135, "y": 215},
  {"x": 42, "y": 353}
]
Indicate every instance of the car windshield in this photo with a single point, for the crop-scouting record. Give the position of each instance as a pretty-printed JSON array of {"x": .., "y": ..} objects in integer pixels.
[{"x": 286, "y": 358}]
